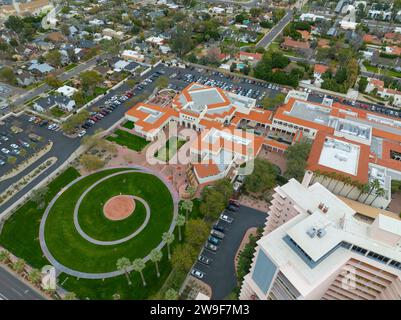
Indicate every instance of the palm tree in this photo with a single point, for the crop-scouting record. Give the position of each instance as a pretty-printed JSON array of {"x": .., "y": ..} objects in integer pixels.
[
  {"x": 70, "y": 296},
  {"x": 123, "y": 264},
  {"x": 4, "y": 256},
  {"x": 364, "y": 188},
  {"x": 191, "y": 190},
  {"x": 171, "y": 294},
  {"x": 374, "y": 185},
  {"x": 187, "y": 206},
  {"x": 346, "y": 182},
  {"x": 138, "y": 265},
  {"x": 379, "y": 193},
  {"x": 180, "y": 222},
  {"x": 156, "y": 255},
  {"x": 168, "y": 238},
  {"x": 35, "y": 276}
]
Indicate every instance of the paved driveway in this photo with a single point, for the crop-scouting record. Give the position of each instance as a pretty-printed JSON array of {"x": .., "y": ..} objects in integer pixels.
[{"x": 220, "y": 274}]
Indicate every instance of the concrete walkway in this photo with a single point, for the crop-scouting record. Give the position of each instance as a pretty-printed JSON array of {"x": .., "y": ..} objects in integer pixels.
[{"x": 86, "y": 275}]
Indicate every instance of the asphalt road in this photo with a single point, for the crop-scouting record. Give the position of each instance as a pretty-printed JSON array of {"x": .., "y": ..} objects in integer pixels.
[
  {"x": 275, "y": 31},
  {"x": 246, "y": 4},
  {"x": 11, "y": 288},
  {"x": 220, "y": 274}
]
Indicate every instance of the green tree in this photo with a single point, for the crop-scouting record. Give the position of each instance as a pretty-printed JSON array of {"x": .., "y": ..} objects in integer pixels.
[
  {"x": 156, "y": 256},
  {"x": 183, "y": 257},
  {"x": 262, "y": 179},
  {"x": 123, "y": 264},
  {"x": 180, "y": 223},
  {"x": 39, "y": 195},
  {"x": 181, "y": 40},
  {"x": 171, "y": 294},
  {"x": 196, "y": 232},
  {"x": 70, "y": 296},
  {"x": 91, "y": 162},
  {"x": 4, "y": 256},
  {"x": 53, "y": 58},
  {"x": 52, "y": 81},
  {"x": 272, "y": 103},
  {"x": 161, "y": 82},
  {"x": 187, "y": 206},
  {"x": 213, "y": 203},
  {"x": 35, "y": 276},
  {"x": 168, "y": 238},
  {"x": 138, "y": 265},
  {"x": 296, "y": 156},
  {"x": 89, "y": 80},
  {"x": 7, "y": 75},
  {"x": 19, "y": 265},
  {"x": 11, "y": 160}
]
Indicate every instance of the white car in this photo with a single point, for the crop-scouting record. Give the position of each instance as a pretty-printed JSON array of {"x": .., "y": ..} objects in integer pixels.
[
  {"x": 6, "y": 151},
  {"x": 198, "y": 274},
  {"x": 226, "y": 218},
  {"x": 14, "y": 146},
  {"x": 32, "y": 119},
  {"x": 82, "y": 133}
]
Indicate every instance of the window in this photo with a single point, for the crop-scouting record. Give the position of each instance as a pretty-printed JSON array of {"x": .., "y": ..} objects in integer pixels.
[
  {"x": 359, "y": 250},
  {"x": 378, "y": 257},
  {"x": 395, "y": 264}
]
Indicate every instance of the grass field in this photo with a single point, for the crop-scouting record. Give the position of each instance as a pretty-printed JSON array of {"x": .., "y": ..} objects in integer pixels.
[
  {"x": 131, "y": 141},
  {"x": 129, "y": 125},
  {"x": 170, "y": 149},
  {"x": 84, "y": 256},
  {"x": 20, "y": 232},
  {"x": 20, "y": 236}
]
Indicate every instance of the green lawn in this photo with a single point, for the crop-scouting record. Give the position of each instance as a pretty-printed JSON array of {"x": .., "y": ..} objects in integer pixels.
[
  {"x": 21, "y": 231},
  {"x": 129, "y": 140},
  {"x": 96, "y": 225},
  {"x": 129, "y": 125},
  {"x": 170, "y": 149},
  {"x": 84, "y": 256},
  {"x": 20, "y": 236},
  {"x": 70, "y": 66},
  {"x": 57, "y": 112}
]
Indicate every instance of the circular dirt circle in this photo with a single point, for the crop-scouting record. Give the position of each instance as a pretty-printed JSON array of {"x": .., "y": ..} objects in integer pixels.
[{"x": 119, "y": 207}]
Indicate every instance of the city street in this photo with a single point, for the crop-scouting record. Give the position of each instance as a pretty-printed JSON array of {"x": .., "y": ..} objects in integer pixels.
[{"x": 11, "y": 288}]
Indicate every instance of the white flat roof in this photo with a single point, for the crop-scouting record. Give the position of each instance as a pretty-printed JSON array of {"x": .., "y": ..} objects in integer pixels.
[
  {"x": 315, "y": 247},
  {"x": 340, "y": 155},
  {"x": 389, "y": 224}
]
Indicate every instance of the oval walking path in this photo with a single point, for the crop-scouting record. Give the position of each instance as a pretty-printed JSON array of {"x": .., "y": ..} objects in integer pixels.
[{"x": 86, "y": 275}]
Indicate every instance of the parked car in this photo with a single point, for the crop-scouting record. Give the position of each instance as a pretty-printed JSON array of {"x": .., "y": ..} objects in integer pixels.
[
  {"x": 14, "y": 146},
  {"x": 197, "y": 273},
  {"x": 82, "y": 133},
  {"x": 204, "y": 259},
  {"x": 226, "y": 218},
  {"x": 234, "y": 202},
  {"x": 217, "y": 234},
  {"x": 213, "y": 240},
  {"x": 210, "y": 246},
  {"x": 5, "y": 150},
  {"x": 232, "y": 208},
  {"x": 218, "y": 227}
]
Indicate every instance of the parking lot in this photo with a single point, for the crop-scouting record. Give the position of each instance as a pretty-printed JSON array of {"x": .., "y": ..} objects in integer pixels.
[
  {"x": 17, "y": 140},
  {"x": 219, "y": 273}
]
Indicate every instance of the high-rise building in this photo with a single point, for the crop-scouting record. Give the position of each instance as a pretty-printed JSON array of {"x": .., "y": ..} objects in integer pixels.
[{"x": 319, "y": 246}]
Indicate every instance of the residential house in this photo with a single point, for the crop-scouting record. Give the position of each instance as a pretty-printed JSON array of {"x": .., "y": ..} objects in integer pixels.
[
  {"x": 24, "y": 78},
  {"x": 250, "y": 57},
  {"x": 112, "y": 33},
  {"x": 52, "y": 101},
  {"x": 67, "y": 91},
  {"x": 318, "y": 71},
  {"x": 289, "y": 44},
  {"x": 40, "y": 68},
  {"x": 132, "y": 55}
]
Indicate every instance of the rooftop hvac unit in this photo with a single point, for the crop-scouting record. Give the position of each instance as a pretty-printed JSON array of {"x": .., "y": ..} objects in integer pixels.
[
  {"x": 311, "y": 232},
  {"x": 325, "y": 209},
  {"x": 321, "y": 233}
]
